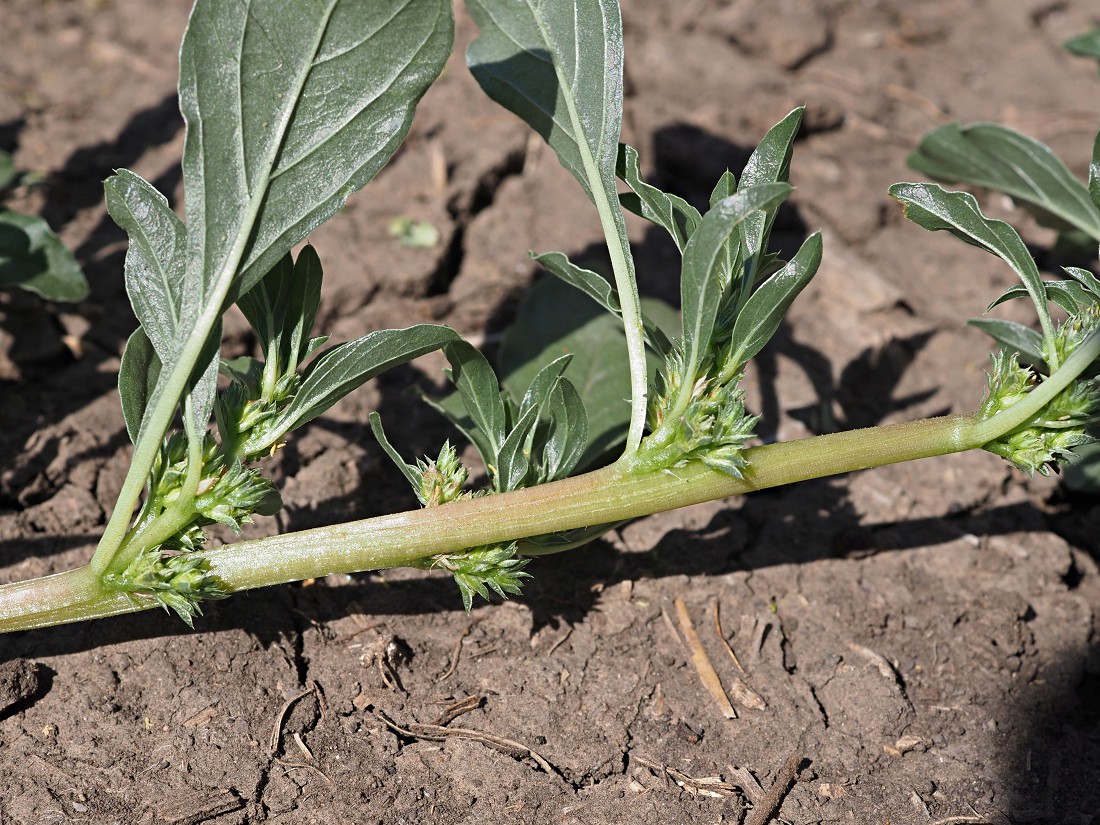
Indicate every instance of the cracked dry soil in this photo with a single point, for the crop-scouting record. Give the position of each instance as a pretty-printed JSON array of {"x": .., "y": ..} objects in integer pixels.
[{"x": 919, "y": 642}]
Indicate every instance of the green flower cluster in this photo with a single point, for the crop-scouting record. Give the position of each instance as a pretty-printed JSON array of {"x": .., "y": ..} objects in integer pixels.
[
  {"x": 177, "y": 581},
  {"x": 480, "y": 569},
  {"x": 714, "y": 427},
  {"x": 1046, "y": 441}
]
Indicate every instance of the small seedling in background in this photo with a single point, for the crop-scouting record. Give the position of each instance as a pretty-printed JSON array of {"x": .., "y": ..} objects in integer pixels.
[
  {"x": 289, "y": 114},
  {"x": 415, "y": 234}
]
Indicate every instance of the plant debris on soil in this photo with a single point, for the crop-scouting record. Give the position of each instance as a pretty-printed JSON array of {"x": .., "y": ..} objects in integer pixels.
[{"x": 914, "y": 644}]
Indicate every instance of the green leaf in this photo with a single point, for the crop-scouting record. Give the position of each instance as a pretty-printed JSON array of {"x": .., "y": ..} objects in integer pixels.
[
  {"x": 1094, "y": 172},
  {"x": 244, "y": 370},
  {"x": 1016, "y": 337},
  {"x": 1086, "y": 44},
  {"x": 764, "y": 311},
  {"x": 1083, "y": 475},
  {"x": 770, "y": 163},
  {"x": 672, "y": 213},
  {"x": 281, "y": 309},
  {"x": 513, "y": 460},
  {"x": 8, "y": 172},
  {"x": 567, "y": 438},
  {"x": 600, "y": 290},
  {"x": 137, "y": 379},
  {"x": 155, "y": 259},
  {"x": 1069, "y": 295},
  {"x": 999, "y": 158},
  {"x": 538, "y": 394},
  {"x": 701, "y": 286},
  {"x": 32, "y": 257},
  {"x": 264, "y": 305},
  {"x": 343, "y": 368},
  {"x": 1085, "y": 278},
  {"x": 410, "y": 472},
  {"x": 290, "y": 107},
  {"x": 554, "y": 320},
  {"x": 479, "y": 390},
  {"x": 930, "y": 206},
  {"x": 559, "y": 66}
]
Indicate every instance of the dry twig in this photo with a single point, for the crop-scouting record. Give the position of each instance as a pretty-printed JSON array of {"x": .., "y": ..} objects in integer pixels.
[
  {"x": 763, "y": 811},
  {"x": 702, "y": 663}
]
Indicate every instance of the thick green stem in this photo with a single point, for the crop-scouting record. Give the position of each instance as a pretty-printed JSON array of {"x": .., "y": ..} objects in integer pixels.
[{"x": 606, "y": 495}]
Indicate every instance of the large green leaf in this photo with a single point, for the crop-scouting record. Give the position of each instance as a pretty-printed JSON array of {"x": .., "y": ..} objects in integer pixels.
[
  {"x": 1000, "y": 158},
  {"x": 292, "y": 105},
  {"x": 559, "y": 66},
  {"x": 33, "y": 257}
]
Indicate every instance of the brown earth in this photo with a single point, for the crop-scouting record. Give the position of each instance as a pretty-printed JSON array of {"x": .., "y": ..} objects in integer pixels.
[{"x": 923, "y": 637}]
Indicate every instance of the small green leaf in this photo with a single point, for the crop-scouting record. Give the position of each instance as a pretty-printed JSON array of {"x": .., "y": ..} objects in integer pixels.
[
  {"x": 137, "y": 379},
  {"x": 264, "y": 305},
  {"x": 567, "y": 438},
  {"x": 538, "y": 394},
  {"x": 1016, "y": 337},
  {"x": 281, "y": 309},
  {"x": 513, "y": 459},
  {"x": 407, "y": 470},
  {"x": 479, "y": 389},
  {"x": 764, "y": 311},
  {"x": 675, "y": 215},
  {"x": 8, "y": 172},
  {"x": 343, "y": 368},
  {"x": 1070, "y": 296},
  {"x": 930, "y": 206},
  {"x": 770, "y": 163},
  {"x": 155, "y": 259},
  {"x": 1086, "y": 44},
  {"x": 700, "y": 283},
  {"x": 1085, "y": 278},
  {"x": 244, "y": 370},
  {"x": 1000, "y": 158},
  {"x": 553, "y": 320},
  {"x": 32, "y": 257},
  {"x": 596, "y": 287},
  {"x": 1094, "y": 172},
  {"x": 592, "y": 284}
]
